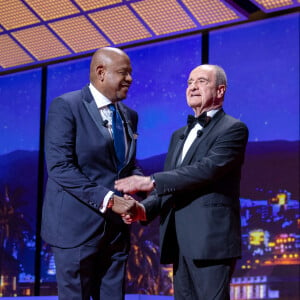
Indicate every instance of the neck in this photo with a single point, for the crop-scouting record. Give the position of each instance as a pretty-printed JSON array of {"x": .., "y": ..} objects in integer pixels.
[{"x": 198, "y": 111}]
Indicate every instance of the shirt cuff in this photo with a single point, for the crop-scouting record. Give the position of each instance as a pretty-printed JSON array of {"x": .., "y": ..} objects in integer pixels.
[{"x": 104, "y": 204}]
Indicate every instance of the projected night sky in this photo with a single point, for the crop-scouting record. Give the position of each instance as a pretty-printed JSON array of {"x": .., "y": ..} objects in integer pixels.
[{"x": 262, "y": 76}]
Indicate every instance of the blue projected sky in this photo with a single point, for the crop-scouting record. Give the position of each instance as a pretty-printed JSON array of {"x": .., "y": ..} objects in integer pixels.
[
  {"x": 262, "y": 63},
  {"x": 261, "y": 60},
  {"x": 158, "y": 93},
  {"x": 20, "y": 96}
]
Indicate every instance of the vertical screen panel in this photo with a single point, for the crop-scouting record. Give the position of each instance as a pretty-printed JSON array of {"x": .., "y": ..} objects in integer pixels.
[
  {"x": 19, "y": 148},
  {"x": 262, "y": 63},
  {"x": 160, "y": 74},
  {"x": 61, "y": 78},
  {"x": 67, "y": 77}
]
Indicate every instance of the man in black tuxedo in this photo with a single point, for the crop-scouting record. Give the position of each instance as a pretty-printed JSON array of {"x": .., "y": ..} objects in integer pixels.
[
  {"x": 81, "y": 211},
  {"x": 197, "y": 195}
]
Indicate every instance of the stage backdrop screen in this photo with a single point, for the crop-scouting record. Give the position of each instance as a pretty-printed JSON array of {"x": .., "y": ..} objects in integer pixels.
[
  {"x": 19, "y": 156},
  {"x": 262, "y": 64},
  {"x": 261, "y": 60}
]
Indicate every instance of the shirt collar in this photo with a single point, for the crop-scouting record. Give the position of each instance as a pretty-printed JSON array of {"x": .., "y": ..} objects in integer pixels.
[
  {"x": 212, "y": 112},
  {"x": 100, "y": 99}
]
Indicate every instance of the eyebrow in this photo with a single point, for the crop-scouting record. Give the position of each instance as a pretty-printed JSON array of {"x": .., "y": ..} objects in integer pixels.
[{"x": 204, "y": 78}]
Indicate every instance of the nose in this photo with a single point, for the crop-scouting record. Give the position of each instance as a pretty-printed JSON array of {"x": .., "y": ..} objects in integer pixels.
[
  {"x": 192, "y": 85},
  {"x": 128, "y": 77}
]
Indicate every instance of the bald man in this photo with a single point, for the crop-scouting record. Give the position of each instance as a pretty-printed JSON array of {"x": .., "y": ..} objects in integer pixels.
[{"x": 81, "y": 211}]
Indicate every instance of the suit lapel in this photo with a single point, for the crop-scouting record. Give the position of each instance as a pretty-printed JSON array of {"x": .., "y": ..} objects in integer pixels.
[
  {"x": 93, "y": 111},
  {"x": 178, "y": 147}
]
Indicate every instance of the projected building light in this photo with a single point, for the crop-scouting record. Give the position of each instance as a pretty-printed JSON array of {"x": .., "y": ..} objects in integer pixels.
[
  {"x": 39, "y": 32},
  {"x": 280, "y": 199},
  {"x": 256, "y": 237},
  {"x": 252, "y": 287}
]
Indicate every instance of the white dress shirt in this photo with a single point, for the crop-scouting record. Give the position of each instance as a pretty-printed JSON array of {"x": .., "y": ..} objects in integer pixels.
[
  {"x": 193, "y": 134},
  {"x": 102, "y": 103}
]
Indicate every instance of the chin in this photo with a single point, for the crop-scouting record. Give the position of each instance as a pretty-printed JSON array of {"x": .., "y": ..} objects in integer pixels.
[
  {"x": 121, "y": 97},
  {"x": 194, "y": 104}
]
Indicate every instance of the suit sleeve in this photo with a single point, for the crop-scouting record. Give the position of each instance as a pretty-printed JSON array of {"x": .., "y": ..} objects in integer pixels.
[
  {"x": 62, "y": 167},
  {"x": 225, "y": 154}
]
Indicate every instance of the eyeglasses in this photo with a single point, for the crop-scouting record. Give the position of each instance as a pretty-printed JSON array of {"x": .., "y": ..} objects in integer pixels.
[{"x": 200, "y": 81}]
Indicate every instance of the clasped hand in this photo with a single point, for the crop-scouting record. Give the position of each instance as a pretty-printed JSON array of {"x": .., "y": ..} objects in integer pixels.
[
  {"x": 134, "y": 183},
  {"x": 128, "y": 208}
]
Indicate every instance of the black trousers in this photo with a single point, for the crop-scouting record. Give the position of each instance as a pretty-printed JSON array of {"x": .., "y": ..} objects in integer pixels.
[
  {"x": 202, "y": 279},
  {"x": 95, "y": 270}
]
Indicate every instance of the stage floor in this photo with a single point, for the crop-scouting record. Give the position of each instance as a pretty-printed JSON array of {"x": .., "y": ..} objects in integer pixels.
[{"x": 127, "y": 297}]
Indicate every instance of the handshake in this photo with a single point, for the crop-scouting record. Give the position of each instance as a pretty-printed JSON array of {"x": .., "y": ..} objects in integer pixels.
[{"x": 127, "y": 207}]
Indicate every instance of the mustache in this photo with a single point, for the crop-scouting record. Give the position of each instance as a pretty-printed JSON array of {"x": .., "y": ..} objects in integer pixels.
[{"x": 124, "y": 83}]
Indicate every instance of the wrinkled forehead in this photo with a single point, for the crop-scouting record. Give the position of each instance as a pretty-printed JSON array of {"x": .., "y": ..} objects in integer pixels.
[{"x": 206, "y": 72}]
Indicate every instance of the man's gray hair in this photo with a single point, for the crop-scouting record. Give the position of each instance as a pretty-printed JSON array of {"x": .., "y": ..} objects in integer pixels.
[{"x": 221, "y": 78}]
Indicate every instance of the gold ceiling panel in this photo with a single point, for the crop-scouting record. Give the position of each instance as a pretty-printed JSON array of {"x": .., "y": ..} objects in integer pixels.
[
  {"x": 92, "y": 4},
  {"x": 41, "y": 43},
  {"x": 9, "y": 46},
  {"x": 49, "y": 10},
  {"x": 35, "y": 31},
  {"x": 14, "y": 14},
  {"x": 163, "y": 16},
  {"x": 79, "y": 34},
  {"x": 272, "y": 4},
  {"x": 210, "y": 11},
  {"x": 120, "y": 25}
]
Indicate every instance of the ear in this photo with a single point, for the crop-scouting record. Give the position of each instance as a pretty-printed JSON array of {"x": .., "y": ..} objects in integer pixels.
[
  {"x": 221, "y": 91},
  {"x": 100, "y": 72}
]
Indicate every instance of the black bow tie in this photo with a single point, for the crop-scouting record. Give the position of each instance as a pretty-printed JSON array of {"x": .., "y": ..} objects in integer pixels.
[{"x": 203, "y": 120}]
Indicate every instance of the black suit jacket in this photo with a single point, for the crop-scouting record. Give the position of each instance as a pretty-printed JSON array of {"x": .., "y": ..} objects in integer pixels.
[
  {"x": 199, "y": 201},
  {"x": 82, "y": 168}
]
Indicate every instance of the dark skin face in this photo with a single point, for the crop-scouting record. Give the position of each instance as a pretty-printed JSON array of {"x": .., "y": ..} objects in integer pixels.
[{"x": 110, "y": 73}]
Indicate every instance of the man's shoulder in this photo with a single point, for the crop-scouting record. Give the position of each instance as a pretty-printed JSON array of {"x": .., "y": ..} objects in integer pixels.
[
  {"x": 75, "y": 94},
  {"x": 231, "y": 120},
  {"x": 179, "y": 132},
  {"x": 73, "y": 97}
]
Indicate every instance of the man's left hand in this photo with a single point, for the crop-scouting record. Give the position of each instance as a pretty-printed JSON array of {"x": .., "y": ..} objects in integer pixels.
[{"x": 135, "y": 183}]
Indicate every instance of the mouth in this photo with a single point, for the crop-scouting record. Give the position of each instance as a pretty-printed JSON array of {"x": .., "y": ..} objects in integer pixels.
[{"x": 125, "y": 86}]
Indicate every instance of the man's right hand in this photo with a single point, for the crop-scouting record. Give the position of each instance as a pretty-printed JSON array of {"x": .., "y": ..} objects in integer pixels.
[
  {"x": 129, "y": 209},
  {"x": 122, "y": 206},
  {"x": 137, "y": 212}
]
